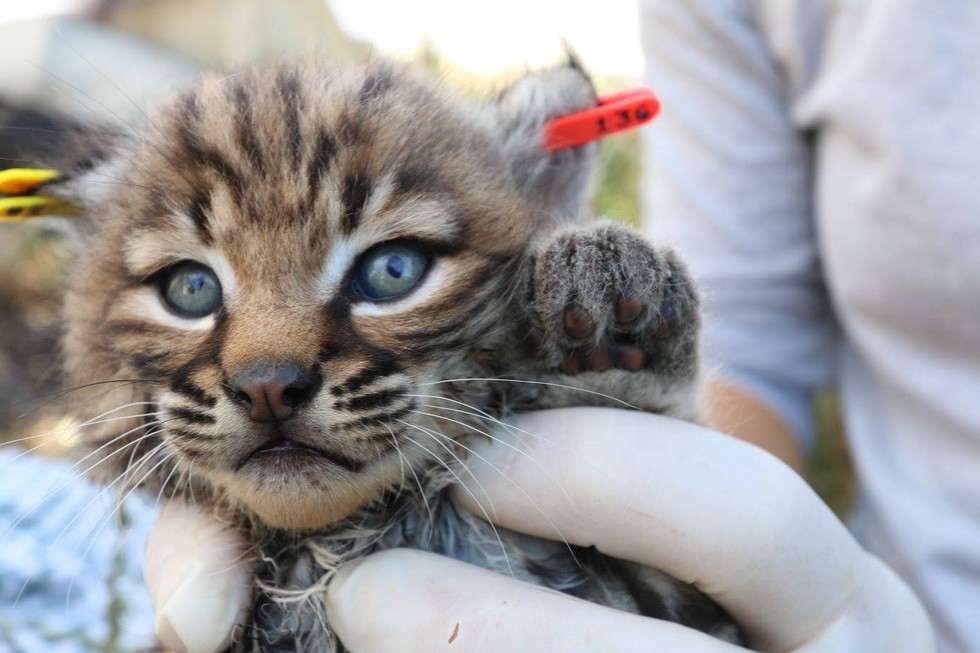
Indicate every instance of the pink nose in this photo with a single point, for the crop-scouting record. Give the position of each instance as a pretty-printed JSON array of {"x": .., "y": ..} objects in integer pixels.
[{"x": 273, "y": 393}]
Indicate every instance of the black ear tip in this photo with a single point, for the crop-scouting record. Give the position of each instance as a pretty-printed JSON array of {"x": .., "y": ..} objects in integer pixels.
[{"x": 573, "y": 61}]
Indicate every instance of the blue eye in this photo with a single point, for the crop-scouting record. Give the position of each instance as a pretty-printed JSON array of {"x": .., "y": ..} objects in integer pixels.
[
  {"x": 389, "y": 271},
  {"x": 191, "y": 289}
]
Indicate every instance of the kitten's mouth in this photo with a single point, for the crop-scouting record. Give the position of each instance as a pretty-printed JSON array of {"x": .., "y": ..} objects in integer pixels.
[{"x": 285, "y": 449}]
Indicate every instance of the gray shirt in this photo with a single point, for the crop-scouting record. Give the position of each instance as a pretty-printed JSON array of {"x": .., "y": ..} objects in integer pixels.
[{"x": 817, "y": 162}]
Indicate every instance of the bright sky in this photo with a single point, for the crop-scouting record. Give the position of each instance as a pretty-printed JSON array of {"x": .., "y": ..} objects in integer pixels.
[
  {"x": 14, "y": 10},
  {"x": 483, "y": 37},
  {"x": 490, "y": 37}
]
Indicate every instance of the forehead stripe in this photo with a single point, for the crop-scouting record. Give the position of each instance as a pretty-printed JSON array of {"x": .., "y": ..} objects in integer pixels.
[
  {"x": 324, "y": 151},
  {"x": 287, "y": 84},
  {"x": 245, "y": 132},
  {"x": 416, "y": 179},
  {"x": 356, "y": 192},
  {"x": 202, "y": 155},
  {"x": 199, "y": 212}
]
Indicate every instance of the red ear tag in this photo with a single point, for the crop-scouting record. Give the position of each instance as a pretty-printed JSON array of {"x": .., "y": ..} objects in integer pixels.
[{"x": 616, "y": 112}]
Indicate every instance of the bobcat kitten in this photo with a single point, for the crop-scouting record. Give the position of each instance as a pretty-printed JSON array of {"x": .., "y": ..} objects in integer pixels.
[{"x": 295, "y": 283}]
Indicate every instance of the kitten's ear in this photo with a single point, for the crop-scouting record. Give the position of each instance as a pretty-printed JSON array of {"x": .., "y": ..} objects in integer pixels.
[{"x": 556, "y": 181}]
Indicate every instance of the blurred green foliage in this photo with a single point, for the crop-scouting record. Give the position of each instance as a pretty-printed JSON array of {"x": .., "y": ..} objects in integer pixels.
[
  {"x": 32, "y": 264},
  {"x": 617, "y": 182},
  {"x": 831, "y": 473}
]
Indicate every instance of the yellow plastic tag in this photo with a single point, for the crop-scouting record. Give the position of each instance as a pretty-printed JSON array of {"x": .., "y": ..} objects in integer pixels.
[
  {"x": 16, "y": 209},
  {"x": 19, "y": 183}
]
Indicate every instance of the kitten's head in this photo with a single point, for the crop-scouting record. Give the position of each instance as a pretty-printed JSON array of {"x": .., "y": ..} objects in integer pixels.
[{"x": 287, "y": 258}]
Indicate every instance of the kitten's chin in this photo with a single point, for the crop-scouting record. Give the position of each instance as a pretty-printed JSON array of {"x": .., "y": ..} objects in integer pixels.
[
  {"x": 307, "y": 501},
  {"x": 300, "y": 512}
]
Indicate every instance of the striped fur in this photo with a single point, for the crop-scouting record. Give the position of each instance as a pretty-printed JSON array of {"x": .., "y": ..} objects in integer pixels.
[{"x": 278, "y": 179}]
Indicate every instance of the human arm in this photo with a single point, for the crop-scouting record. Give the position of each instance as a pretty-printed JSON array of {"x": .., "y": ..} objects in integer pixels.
[
  {"x": 730, "y": 181},
  {"x": 736, "y": 411}
]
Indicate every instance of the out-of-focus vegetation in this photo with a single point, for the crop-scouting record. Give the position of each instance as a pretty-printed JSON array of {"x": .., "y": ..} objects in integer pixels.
[
  {"x": 831, "y": 473},
  {"x": 31, "y": 280},
  {"x": 617, "y": 180}
]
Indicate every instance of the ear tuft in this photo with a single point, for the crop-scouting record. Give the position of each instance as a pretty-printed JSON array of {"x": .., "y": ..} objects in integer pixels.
[
  {"x": 557, "y": 182},
  {"x": 572, "y": 61}
]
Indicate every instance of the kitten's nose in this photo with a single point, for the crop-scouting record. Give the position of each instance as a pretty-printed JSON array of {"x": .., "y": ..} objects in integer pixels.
[{"x": 273, "y": 393}]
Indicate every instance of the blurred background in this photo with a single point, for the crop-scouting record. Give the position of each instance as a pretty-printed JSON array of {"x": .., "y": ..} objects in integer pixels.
[{"x": 66, "y": 63}]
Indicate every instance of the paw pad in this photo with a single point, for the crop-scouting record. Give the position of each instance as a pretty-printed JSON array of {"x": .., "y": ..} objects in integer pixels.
[
  {"x": 578, "y": 323},
  {"x": 628, "y": 309},
  {"x": 603, "y": 298}
]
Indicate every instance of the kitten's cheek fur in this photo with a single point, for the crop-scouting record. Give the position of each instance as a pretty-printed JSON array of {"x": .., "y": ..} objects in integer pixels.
[{"x": 320, "y": 495}]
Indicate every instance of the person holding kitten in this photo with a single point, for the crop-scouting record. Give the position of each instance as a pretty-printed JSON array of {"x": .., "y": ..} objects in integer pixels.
[
  {"x": 813, "y": 159},
  {"x": 814, "y": 164}
]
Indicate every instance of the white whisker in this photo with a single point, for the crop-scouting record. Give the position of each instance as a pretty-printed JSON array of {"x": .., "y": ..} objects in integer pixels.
[
  {"x": 119, "y": 504},
  {"x": 64, "y": 530},
  {"x": 52, "y": 492},
  {"x": 94, "y": 421},
  {"x": 98, "y": 496},
  {"x": 527, "y": 496},
  {"x": 163, "y": 486},
  {"x": 499, "y": 422},
  {"x": 411, "y": 468},
  {"x": 546, "y": 383},
  {"x": 462, "y": 484}
]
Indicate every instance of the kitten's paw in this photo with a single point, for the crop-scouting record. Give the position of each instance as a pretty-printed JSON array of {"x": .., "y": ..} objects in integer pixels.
[{"x": 603, "y": 298}]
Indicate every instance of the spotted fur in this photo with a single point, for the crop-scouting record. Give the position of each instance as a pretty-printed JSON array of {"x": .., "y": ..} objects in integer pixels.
[{"x": 278, "y": 179}]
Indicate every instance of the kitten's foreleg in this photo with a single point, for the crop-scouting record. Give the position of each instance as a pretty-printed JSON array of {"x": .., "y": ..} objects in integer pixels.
[{"x": 611, "y": 320}]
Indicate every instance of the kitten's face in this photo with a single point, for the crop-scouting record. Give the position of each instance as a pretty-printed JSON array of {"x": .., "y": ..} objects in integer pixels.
[{"x": 292, "y": 258}]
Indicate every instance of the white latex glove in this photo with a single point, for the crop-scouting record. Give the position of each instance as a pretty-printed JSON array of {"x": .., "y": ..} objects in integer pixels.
[
  {"x": 704, "y": 507},
  {"x": 197, "y": 581}
]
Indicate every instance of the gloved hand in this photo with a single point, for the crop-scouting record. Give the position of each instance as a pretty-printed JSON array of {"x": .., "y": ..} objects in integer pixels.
[
  {"x": 198, "y": 582},
  {"x": 701, "y": 506}
]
